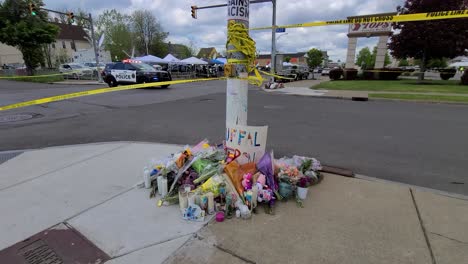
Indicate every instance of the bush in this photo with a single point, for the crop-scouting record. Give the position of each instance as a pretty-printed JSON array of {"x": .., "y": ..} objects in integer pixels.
[
  {"x": 406, "y": 74},
  {"x": 350, "y": 74},
  {"x": 448, "y": 73},
  {"x": 335, "y": 74},
  {"x": 464, "y": 78}
]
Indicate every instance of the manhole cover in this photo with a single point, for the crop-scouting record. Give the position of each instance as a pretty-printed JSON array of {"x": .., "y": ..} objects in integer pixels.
[
  {"x": 15, "y": 117},
  {"x": 58, "y": 245},
  {"x": 274, "y": 107}
]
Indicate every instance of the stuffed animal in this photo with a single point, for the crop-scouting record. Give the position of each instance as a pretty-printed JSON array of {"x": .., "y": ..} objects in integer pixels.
[
  {"x": 261, "y": 180},
  {"x": 265, "y": 195},
  {"x": 247, "y": 181}
]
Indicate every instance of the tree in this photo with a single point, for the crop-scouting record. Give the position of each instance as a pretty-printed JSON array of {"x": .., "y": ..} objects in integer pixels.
[
  {"x": 27, "y": 32},
  {"x": 437, "y": 63},
  {"x": 314, "y": 59},
  {"x": 117, "y": 34},
  {"x": 403, "y": 63},
  {"x": 364, "y": 58},
  {"x": 287, "y": 59},
  {"x": 426, "y": 40},
  {"x": 147, "y": 31}
]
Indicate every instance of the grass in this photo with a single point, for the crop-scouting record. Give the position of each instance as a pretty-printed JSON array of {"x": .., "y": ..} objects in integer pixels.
[
  {"x": 37, "y": 79},
  {"x": 433, "y": 86},
  {"x": 421, "y": 97}
]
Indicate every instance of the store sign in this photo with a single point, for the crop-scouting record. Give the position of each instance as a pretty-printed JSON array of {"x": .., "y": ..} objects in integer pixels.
[
  {"x": 249, "y": 140},
  {"x": 370, "y": 28},
  {"x": 238, "y": 9},
  {"x": 124, "y": 75}
]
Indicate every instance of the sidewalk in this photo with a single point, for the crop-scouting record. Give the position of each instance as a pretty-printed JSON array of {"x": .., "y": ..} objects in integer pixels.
[{"x": 89, "y": 188}]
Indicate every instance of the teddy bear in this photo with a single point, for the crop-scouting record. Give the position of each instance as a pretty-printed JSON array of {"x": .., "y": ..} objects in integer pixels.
[{"x": 247, "y": 181}]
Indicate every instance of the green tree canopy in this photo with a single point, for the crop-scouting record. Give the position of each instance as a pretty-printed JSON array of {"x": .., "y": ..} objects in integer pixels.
[
  {"x": 426, "y": 40},
  {"x": 27, "y": 32},
  {"x": 314, "y": 58},
  {"x": 117, "y": 34},
  {"x": 364, "y": 58}
]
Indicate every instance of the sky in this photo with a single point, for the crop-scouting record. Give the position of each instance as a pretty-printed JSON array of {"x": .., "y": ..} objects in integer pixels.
[{"x": 209, "y": 30}]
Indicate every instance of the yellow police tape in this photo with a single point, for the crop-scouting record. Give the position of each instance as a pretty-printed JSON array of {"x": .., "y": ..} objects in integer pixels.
[
  {"x": 36, "y": 76},
  {"x": 379, "y": 18},
  {"x": 99, "y": 91}
]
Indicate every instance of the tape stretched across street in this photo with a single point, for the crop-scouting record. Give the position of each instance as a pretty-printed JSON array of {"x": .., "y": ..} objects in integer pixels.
[
  {"x": 99, "y": 91},
  {"x": 371, "y": 19}
]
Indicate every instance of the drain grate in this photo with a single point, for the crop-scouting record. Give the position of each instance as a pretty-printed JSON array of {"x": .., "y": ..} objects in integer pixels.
[
  {"x": 39, "y": 252},
  {"x": 17, "y": 117},
  {"x": 57, "y": 245}
]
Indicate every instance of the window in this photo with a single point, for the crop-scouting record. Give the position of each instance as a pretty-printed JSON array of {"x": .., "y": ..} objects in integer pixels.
[
  {"x": 72, "y": 45},
  {"x": 63, "y": 45},
  {"x": 119, "y": 66},
  {"x": 130, "y": 67}
]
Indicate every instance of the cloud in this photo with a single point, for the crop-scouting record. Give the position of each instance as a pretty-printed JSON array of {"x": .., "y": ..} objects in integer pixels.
[{"x": 210, "y": 27}]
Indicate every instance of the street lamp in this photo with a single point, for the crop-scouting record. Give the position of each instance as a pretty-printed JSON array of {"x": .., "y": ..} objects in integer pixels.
[{"x": 281, "y": 36}]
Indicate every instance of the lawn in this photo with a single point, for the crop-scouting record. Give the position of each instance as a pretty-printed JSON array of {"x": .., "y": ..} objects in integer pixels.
[
  {"x": 421, "y": 97},
  {"x": 37, "y": 79},
  {"x": 434, "y": 86}
]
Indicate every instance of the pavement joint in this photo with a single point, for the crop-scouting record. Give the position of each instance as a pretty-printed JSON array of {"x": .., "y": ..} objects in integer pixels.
[
  {"x": 61, "y": 168},
  {"x": 422, "y": 227},
  {"x": 234, "y": 254},
  {"x": 157, "y": 243},
  {"x": 449, "y": 238}
]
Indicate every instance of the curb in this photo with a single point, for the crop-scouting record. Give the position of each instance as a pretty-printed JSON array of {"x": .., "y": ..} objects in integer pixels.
[
  {"x": 417, "y": 101},
  {"x": 72, "y": 83}
]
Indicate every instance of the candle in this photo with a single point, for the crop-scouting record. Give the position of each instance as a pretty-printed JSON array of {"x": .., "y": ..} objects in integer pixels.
[
  {"x": 254, "y": 196},
  {"x": 159, "y": 181},
  {"x": 191, "y": 198},
  {"x": 146, "y": 178},
  {"x": 183, "y": 199},
  {"x": 163, "y": 186},
  {"x": 210, "y": 197}
]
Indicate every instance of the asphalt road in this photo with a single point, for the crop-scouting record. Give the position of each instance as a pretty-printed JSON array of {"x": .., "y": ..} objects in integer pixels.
[{"x": 416, "y": 143}]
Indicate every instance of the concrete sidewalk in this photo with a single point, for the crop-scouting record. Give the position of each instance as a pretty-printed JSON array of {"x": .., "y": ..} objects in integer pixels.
[{"x": 90, "y": 188}]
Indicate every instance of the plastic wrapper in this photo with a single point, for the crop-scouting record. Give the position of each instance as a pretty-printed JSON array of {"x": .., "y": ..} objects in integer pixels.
[
  {"x": 201, "y": 164},
  {"x": 236, "y": 173},
  {"x": 206, "y": 174},
  {"x": 212, "y": 185},
  {"x": 265, "y": 166}
]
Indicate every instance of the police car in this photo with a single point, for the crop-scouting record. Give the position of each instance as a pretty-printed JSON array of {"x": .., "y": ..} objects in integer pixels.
[{"x": 132, "y": 72}]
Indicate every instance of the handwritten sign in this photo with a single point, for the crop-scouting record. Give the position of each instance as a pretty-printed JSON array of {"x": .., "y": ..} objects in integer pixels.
[
  {"x": 238, "y": 9},
  {"x": 249, "y": 140}
]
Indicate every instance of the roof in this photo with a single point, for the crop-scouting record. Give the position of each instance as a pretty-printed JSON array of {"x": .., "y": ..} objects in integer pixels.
[
  {"x": 178, "y": 50},
  {"x": 71, "y": 32},
  {"x": 205, "y": 52}
]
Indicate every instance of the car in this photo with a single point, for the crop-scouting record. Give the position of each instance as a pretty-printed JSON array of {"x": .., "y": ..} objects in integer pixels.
[
  {"x": 318, "y": 70},
  {"x": 75, "y": 70},
  {"x": 325, "y": 71},
  {"x": 133, "y": 72}
]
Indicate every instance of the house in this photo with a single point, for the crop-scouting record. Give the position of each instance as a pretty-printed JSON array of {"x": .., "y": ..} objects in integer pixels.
[
  {"x": 207, "y": 53},
  {"x": 296, "y": 58},
  {"x": 179, "y": 51},
  {"x": 70, "y": 39}
]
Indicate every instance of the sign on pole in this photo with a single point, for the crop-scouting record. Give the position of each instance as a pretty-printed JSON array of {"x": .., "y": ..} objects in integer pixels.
[{"x": 280, "y": 30}]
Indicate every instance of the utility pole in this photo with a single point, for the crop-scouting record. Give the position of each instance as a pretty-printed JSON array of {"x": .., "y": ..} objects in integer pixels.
[
  {"x": 96, "y": 56},
  {"x": 273, "y": 41},
  {"x": 237, "y": 84}
]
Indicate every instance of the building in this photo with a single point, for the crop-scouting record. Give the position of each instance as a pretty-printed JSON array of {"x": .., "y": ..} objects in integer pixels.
[
  {"x": 296, "y": 58},
  {"x": 70, "y": 39},
  {"x": 208, "y": 53}
]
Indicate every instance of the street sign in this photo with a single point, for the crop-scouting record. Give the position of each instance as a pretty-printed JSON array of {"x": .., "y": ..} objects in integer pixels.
[{"x": 280, "y": 30}]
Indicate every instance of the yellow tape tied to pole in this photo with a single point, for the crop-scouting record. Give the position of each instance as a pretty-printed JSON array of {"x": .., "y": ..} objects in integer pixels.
[
  {"x": 452, "y": 14},
  {"x": 98, "y": 91}
]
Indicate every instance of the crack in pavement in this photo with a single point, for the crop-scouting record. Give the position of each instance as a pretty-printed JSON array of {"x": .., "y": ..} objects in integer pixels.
[{"x": 449, "y": 238}]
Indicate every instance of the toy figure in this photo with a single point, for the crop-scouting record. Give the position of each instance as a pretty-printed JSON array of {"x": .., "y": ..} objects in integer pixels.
[{"x": 247, "y": 181}]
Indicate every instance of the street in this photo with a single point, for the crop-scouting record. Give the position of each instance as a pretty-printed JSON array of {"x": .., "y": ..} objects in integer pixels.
[{"x": 416, "y": 143}]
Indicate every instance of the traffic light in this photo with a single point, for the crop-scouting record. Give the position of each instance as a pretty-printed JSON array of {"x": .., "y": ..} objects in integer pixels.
[
  {"x": 71, "y": 17},
  {"x": 194, "y": 12},
  {"x": 32, "y": 9}
]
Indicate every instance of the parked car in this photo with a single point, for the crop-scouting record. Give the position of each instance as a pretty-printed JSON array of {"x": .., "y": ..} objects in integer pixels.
[
  {"x": 132, "y": 72},
  {"x": 75, "y": 70},
  {"x": 318, "y": 70},
  {"x": 325, "y": 71}
]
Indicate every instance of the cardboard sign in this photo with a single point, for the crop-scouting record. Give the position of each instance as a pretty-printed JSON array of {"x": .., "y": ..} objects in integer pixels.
[
  {"x": 124, "y": 75},
  {"x": 238, "y": 9},
  {"x": 249, "y": 140}
]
